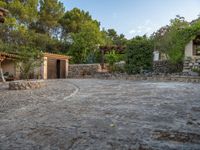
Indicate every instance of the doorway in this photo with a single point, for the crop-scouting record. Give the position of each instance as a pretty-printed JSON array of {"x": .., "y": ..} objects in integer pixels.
[{"x": 58, "y": 69}]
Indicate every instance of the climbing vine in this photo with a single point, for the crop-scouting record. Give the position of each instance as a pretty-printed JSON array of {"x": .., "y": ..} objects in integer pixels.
[{"x": 172, "y": 39}]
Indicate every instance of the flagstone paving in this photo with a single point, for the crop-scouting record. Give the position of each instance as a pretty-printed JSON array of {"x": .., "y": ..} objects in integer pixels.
[{"x": 101, "y": 114}]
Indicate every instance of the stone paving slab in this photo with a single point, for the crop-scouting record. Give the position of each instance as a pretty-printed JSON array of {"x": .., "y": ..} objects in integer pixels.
[{"x": 102, "y": 115}]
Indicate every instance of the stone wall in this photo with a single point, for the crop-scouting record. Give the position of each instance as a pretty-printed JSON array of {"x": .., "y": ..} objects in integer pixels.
[
  {"x": 161, "y": 78},
  {"x": 166, "y": 67},
  {"x": 190, "y": 64},
  {"x": 83, "y": 70},
  {"x": 94, "y": 71},
  {"x": 26, "y": 85}
]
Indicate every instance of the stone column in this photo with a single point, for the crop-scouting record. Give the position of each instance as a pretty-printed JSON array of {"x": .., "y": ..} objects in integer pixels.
[
  {"x": 66, "y": 67},
  {"x": 44, "y": 68}
]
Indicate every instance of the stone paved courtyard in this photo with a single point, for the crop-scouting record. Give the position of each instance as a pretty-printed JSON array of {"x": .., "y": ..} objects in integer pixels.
[{"x": 95, "y": 114}]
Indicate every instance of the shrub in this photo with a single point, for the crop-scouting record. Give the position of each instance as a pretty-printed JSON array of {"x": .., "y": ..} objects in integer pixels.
[
  {"x": 29, "y": 59},
  {"x": 139, "y": 55},
  {"x": 112, "y": 58}
]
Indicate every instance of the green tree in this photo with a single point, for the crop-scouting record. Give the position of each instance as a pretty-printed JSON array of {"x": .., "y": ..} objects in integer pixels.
[
  {"x": 29, "y": 59},
  {"x": 170, "y": 39},
  {"x": 73, "y": 20},
  {"x": 112, "y": 58},
  {"x": 139, "y": 55},
  {"x": 116, "y": 39},
  {"x": 51, "y": 11},
  {"x": 24, "y": 11},
  {"x": 85, "y": 43}
]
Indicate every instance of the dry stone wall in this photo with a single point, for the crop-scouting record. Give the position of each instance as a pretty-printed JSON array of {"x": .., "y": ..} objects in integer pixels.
[
  {"x": 161, "y": 78},
  {"x": 83, "y": 70},
  {"x": 26, "y": 85},
  {"x": 166, "y": 67},
  {"x": 190, "y": 64}
]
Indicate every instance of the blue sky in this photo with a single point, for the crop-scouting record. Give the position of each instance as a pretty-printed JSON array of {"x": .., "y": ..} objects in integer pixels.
[{"x": 136, "y": 17}]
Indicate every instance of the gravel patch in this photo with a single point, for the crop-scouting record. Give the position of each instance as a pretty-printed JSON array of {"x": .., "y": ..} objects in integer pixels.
[{"x": 102, "y": 114}]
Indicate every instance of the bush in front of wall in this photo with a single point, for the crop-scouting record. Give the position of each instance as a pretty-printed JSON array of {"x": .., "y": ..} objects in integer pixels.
[
  {"x": 112, "y": 58},
  {"x": 139, "y": 55}
]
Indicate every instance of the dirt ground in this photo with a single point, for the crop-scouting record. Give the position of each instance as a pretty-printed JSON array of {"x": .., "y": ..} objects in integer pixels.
[{"x": 96, "y": 114}]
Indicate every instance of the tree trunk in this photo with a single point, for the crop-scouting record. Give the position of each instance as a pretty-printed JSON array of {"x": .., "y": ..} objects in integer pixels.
[{"x": 1, "y": 73}]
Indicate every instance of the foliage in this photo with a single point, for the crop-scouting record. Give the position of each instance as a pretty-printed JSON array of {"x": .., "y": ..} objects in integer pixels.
[
  {"x": 49, "y": 15},
  {"x": 45, "y": 26},
  {"x": 73, "y": 20},
  {"x": 29, "y": 59},
  {"x": 139, "y": 55},
  {"x": 24, "y": 12},
  {"x": 86, "y": 42},
  {"x": 172, "y": 39},
  {"x": 115, "y": 39},
  {"x": 112, "y": 58},
  {"x": 31, "y": 25}
]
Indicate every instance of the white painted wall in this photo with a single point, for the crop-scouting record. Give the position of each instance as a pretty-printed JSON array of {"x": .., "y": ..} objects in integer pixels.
[
  {"x": 156, "y": 56},
  {"x": 9, "y": 66},
  {"x": 189, "y": 49}
]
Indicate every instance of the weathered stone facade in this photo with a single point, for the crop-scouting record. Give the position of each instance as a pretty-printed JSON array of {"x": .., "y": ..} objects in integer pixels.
[
  {"x": 161, "y": 78},
  {"x": 83, "y": 70},
  {"x": 191, "y": 63},
  {"x": 166, "y": 67},
  {"x": 26, "y": 85}
]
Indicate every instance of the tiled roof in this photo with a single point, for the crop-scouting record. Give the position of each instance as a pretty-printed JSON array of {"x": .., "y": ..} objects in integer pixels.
[
  {"x": 56, "y": 56},
  {"x": 5, "y": 11},
  {"x": 3, "y": 54},
  {"x": 49, "y": 55}
]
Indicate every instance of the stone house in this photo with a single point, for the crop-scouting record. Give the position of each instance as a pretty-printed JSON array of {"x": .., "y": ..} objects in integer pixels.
[
  {"x": 54, "y": 66},
  {"x": 192, "y": 55},
  {"x": 7, "y": 65}
]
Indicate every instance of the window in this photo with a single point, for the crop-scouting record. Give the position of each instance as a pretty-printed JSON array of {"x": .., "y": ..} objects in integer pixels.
[
  {"x": 197, "y": 49},
  {"x": 197, "y": 46}
]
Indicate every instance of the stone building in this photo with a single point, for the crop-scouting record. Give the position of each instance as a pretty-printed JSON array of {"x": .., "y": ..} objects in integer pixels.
[
  {"x": 192, "y": 55},
  {"x": 54, "y": 66},
  {"x": 7, "y": 65}
]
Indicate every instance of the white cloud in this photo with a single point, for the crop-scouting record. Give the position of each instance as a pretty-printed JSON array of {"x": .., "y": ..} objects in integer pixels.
[{"x": 142, "y": 29}]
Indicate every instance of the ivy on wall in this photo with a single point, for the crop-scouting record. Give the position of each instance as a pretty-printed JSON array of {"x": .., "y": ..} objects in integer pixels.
[{"x": 172, "y": 39}]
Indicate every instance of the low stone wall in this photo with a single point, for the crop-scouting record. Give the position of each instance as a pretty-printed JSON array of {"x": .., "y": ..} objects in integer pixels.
[
  {"x": 190, "y": 64},
  {"x": 161, "y": 78},
  {"x": 166, "y": 67},
  {"x": 26, "y": 85},
  {"x": 83, "y": 70}
]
